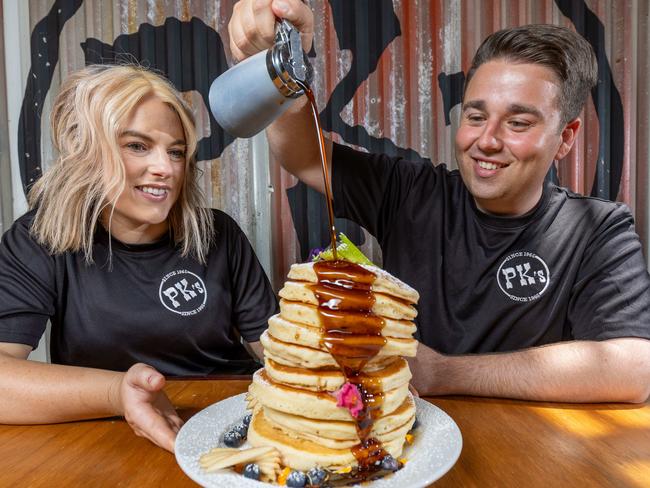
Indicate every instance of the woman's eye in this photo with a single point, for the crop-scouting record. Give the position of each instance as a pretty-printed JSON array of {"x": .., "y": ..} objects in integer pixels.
[
  {"x": 136, "y": 146},
  {"x": 177, "y": 154}
]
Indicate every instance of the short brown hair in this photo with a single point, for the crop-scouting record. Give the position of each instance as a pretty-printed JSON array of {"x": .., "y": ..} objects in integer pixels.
[{"x": 560, "y": 49}]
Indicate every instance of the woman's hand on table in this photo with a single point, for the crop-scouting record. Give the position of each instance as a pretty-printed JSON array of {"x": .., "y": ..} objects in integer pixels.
[{"x": 145, "y": 406}]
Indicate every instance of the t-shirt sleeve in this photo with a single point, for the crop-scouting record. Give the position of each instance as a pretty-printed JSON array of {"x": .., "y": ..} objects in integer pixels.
[
  {"x": 253, "y": 298},
  {"x": 611, "y": 297},
  {"x": 372, "y": 189},
  {"x": 27, "y": 286}
]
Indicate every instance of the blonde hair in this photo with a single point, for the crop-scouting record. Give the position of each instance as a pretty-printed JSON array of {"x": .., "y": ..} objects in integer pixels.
[{"x": 88, "y": 176}]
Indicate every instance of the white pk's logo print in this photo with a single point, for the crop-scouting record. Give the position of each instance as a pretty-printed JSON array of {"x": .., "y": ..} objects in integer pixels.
[
  {"x": 523, "y": 276},
  {"x": 183, "y": 292}
]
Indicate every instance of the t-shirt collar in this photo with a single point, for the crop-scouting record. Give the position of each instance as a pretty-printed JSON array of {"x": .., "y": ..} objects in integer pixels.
[
  {"x": 513, "y": 222},
  {"x": 102, "y": 236}
]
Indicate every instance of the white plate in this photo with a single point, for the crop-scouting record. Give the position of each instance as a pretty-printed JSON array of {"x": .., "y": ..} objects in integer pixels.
[{"x": 434, "y": 451}]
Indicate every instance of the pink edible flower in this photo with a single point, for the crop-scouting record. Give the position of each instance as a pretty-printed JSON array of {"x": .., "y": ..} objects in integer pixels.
[{"x": 349, "y": 397}]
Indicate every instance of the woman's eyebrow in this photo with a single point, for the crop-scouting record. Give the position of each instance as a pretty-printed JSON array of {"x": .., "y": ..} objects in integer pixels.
[
  {"x": 135, "y": 133},
  {"x": 145, "y": 137}
]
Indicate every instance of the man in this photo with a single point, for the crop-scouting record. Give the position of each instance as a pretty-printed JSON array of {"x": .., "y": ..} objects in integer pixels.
[{"x": 527, "y": 290}]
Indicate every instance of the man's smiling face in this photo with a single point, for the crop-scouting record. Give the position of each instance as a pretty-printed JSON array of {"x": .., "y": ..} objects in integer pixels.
[{"x": 510, "y": 134}]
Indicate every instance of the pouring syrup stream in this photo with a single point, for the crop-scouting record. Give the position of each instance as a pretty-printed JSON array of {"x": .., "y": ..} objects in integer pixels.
[
  {"x": 344, "y": 293},
  {"x": 323, "y": 157}
]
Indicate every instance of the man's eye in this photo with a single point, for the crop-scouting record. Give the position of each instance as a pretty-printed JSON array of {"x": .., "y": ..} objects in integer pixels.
[
  {"x": 475, "y": 118},
  {"x": 519, "y": 124}
]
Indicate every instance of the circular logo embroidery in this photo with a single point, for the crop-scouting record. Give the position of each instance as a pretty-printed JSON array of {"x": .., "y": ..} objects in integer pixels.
[
  {"x": 183, "y": 292},
  {"x": 523, "y": 276}
]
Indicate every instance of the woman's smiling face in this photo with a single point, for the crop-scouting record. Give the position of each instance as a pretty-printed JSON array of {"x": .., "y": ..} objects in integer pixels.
[{"x": 153, "y": 151}]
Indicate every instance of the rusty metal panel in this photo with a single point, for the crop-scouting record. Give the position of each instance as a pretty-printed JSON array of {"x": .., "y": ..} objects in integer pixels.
[
  {"x": 150, "y": 31},
  {"x": 418, "y": 81},
  {"x": 389, "y": 76}
]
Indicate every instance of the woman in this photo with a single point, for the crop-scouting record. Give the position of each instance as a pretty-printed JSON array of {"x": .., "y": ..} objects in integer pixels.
[{"x": 118, "y": 251}]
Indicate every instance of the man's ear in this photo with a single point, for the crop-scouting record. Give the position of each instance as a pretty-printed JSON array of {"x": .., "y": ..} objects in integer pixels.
[{"x": 568, "y": 135}]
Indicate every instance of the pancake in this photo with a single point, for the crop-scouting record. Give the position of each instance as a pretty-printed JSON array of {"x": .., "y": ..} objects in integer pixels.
[
  {"x": 384, "y": 282},
  {"x": 398, "y": 432},
  {"x": 389, "y": 377},
  {"x": 334, "y": 381},
  {"x": 384, "y": 305},
  {"x": 311, "y": 337},
  {"x": 315, "y": 405},
  {"x": 332, "y": 432},
  {"x": 303, "y": 454},
  {"x": 306, "y": 314},
  {"x": 306, "y": 357}
]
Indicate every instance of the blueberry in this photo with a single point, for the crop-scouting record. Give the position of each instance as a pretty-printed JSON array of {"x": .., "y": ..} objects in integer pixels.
[
  {"x": 296, "y": 479},
  {"x": 241, "y": 429},
  {"x": 389, "y": 463},
  {"x": 316, "y": 476},
  {"x": 247, "y": 419},
  {"x": 416, "y": 424},
  {"x": 232, "y": 438},
  {"x": 252, "y": 471}
]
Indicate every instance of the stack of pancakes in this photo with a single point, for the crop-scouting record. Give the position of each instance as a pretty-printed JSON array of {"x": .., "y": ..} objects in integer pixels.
[{"x": 294, "y": 396}]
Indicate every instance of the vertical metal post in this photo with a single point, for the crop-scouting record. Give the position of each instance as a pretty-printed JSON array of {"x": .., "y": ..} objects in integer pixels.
[
  {"x": 14, "y": 66},
  {"x": 262, "y": 190},
  {"x": 17, "y": 58},
  {"x": 6, "y": 208}
]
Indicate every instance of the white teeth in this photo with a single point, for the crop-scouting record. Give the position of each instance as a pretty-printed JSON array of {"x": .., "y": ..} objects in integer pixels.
[
  {"x": 153, "y": 191},
  {"x": 486, "y": 165}
]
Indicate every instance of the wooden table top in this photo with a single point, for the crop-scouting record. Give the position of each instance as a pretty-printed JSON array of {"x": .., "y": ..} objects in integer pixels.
[{"x": 505, "y": 443}]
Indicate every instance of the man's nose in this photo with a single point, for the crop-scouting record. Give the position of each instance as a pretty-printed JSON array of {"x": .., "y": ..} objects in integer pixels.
[{"x": 490, "y": 139}]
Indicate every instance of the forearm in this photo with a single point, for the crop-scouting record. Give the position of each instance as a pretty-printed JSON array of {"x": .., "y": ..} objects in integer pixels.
[
  {"x": 257, "y": 349},
  {"x": 34, "y": 393},
  {"x": 582, "y": 371},
  {"x": 293, "y": 142}
]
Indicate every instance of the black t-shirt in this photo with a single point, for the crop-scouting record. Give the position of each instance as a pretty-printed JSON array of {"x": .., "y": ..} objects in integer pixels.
[
  {"x": 572, "y": 268},
  {"x": 148, "y": 304}
]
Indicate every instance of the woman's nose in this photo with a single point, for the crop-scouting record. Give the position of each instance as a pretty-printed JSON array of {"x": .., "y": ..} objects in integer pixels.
[{"x": 160, "y": 163}]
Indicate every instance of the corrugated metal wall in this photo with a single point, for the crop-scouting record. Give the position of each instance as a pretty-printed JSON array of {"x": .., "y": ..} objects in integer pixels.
[
  {"x": 389, "y": 75},
  {"x": 6, "y": 213}
]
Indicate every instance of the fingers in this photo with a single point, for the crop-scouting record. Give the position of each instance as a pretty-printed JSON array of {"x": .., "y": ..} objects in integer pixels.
[
  {"x": 413, "y": 391},
  {"x": 296, "y": 12},
  {"x": 251, "y": 28},
  {"x": 146, "y": 407},
  {"x": 252, "y": 25},
  {"x": 156, "y": 421},
  {"x": 168, "y": 443},
  {"x": 155, "y": 380},
  {"x": 144, "y": 377},
  {"x": 160, "y": 431},
  {"x": 300, "y": 15},
  {"x": 176, "y": 422}
]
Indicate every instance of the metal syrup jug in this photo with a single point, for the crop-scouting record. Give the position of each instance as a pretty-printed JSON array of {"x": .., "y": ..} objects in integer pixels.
[{"x": 246, "y": 98}]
